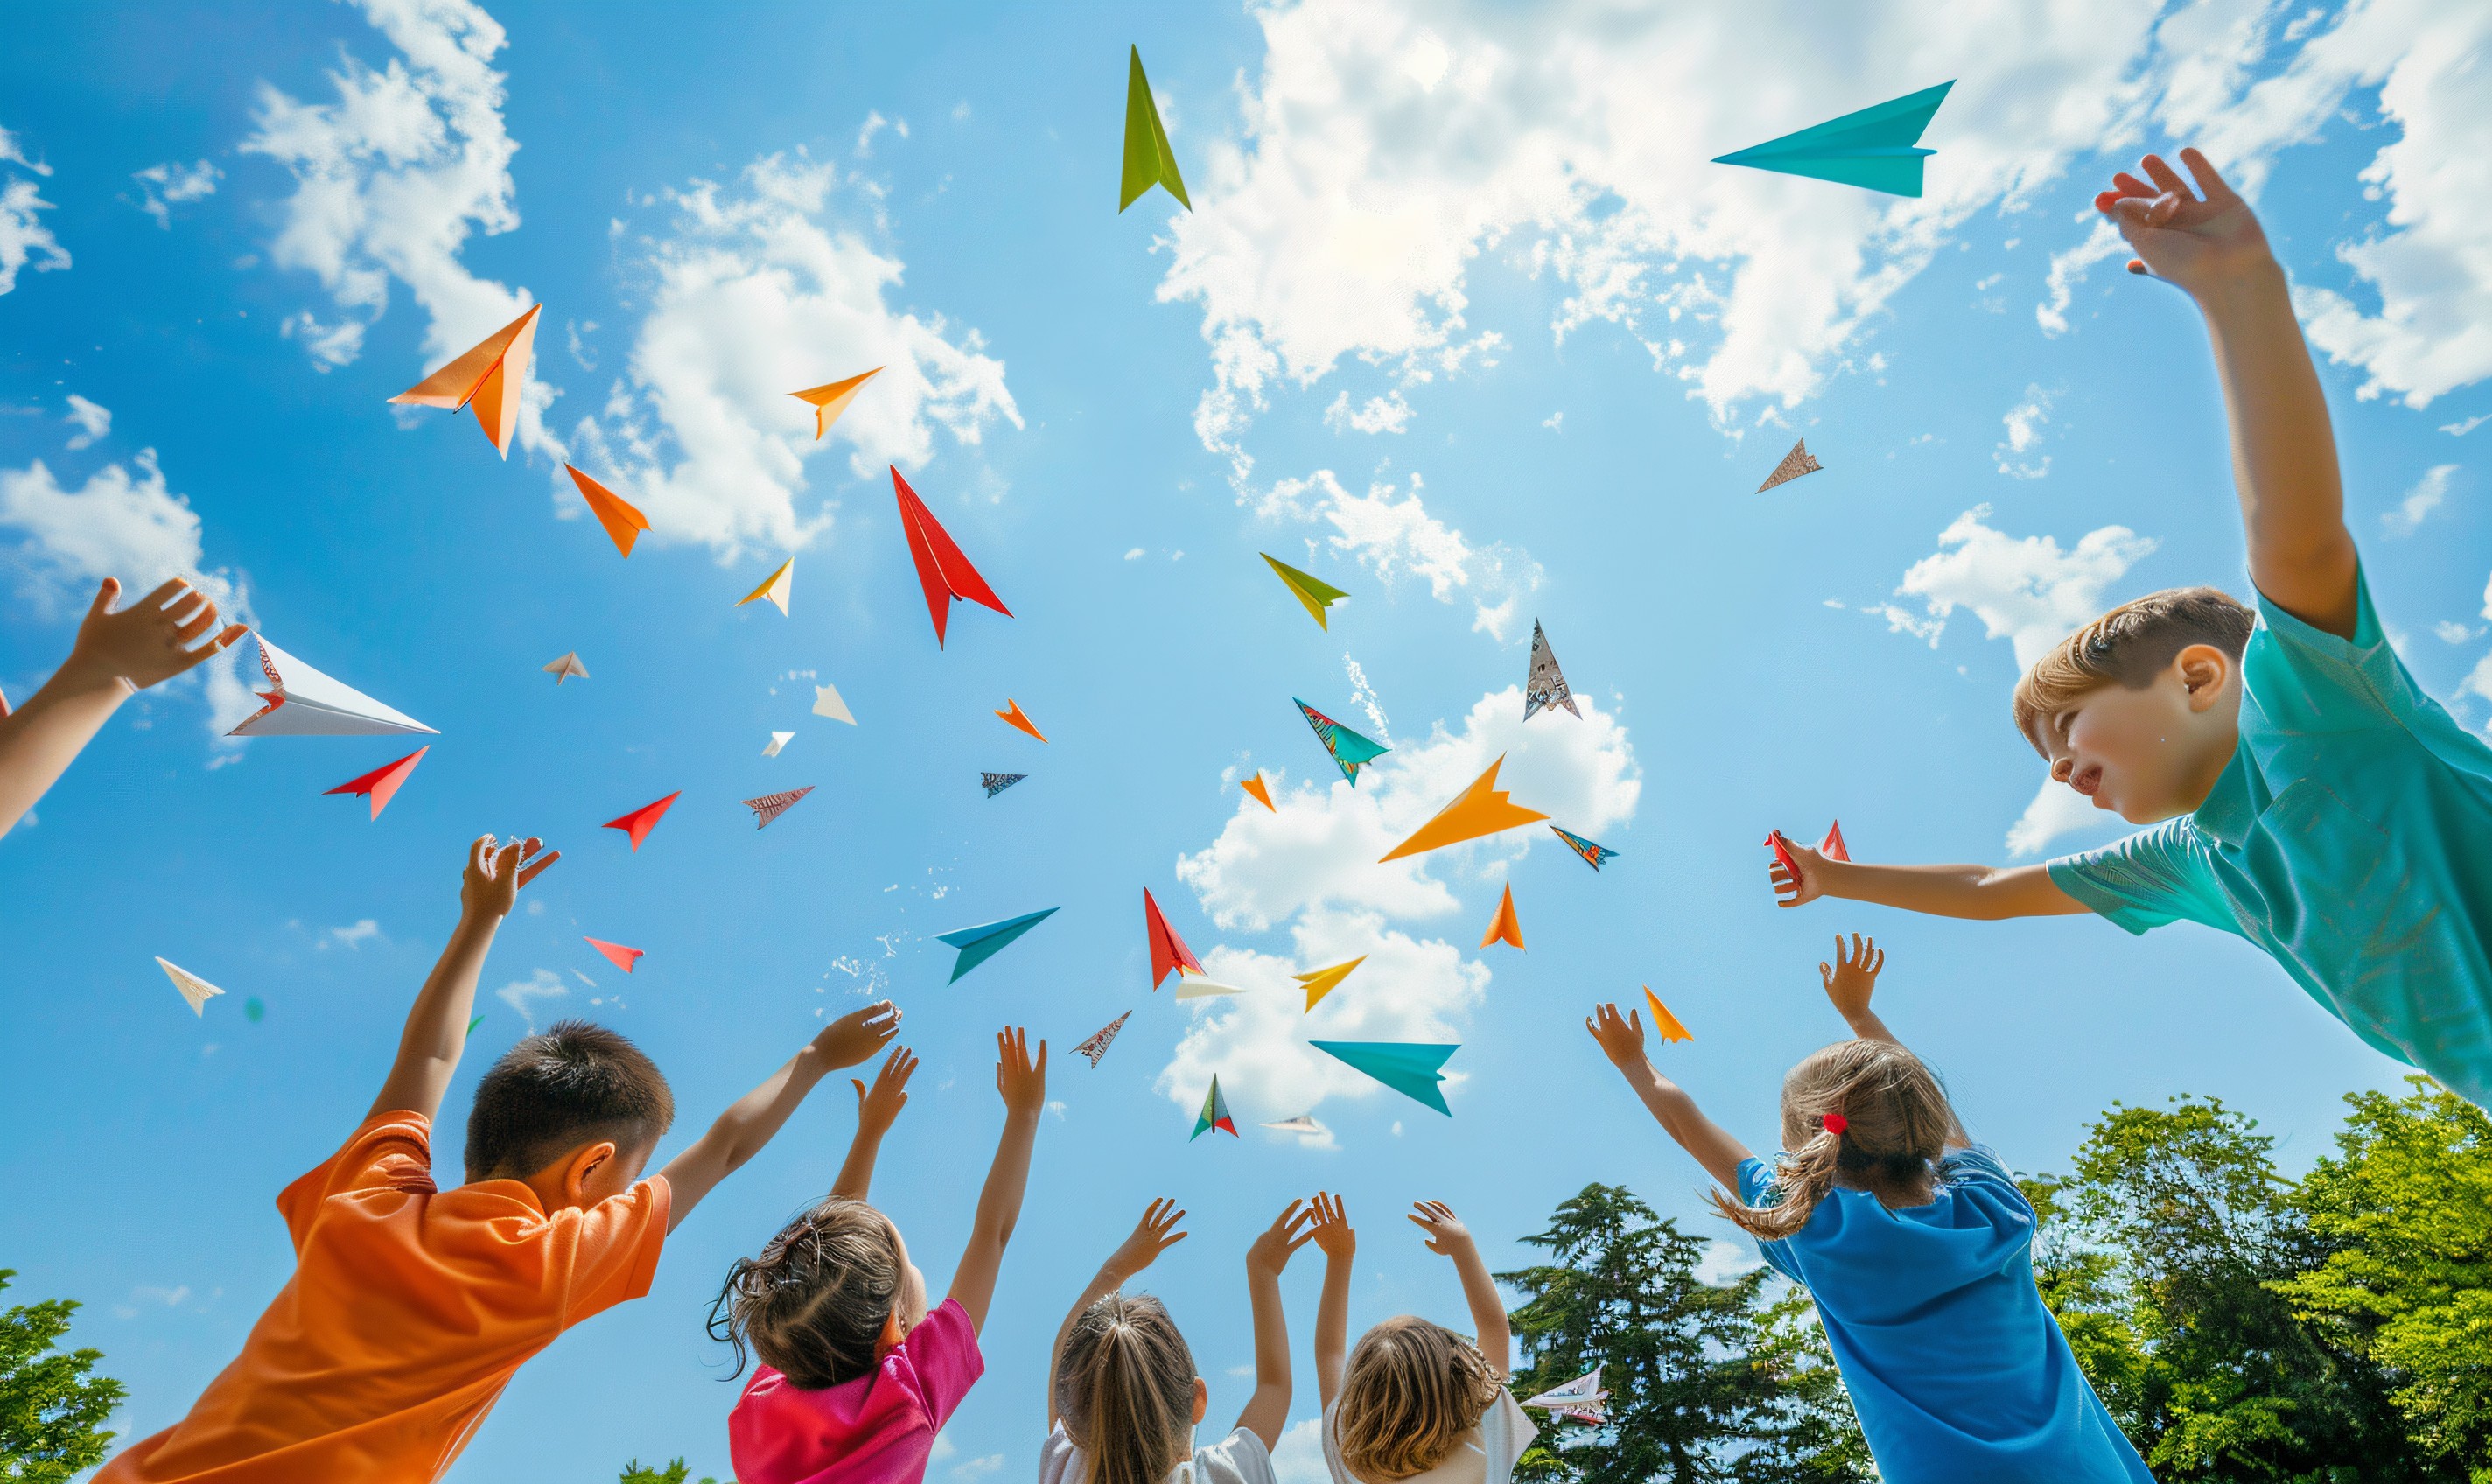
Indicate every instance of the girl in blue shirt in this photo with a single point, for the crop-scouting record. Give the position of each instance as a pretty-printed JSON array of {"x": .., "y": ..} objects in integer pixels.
[{"x": 1916, "y": 1246}]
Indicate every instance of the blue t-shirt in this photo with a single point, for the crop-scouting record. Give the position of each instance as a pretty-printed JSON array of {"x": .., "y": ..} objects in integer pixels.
[
  {"x": 2350, "y": 837},
  {"x": 1956, "y": 1369}
]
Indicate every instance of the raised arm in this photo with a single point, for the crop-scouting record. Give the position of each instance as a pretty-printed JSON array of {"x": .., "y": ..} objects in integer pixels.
[
  {"x": 437, "y": 1023},
  {"x": 1984, "y": 893},
  {"x": 1156, "y": 1233},
  {"x": 1024, "y": 1086},
  {"x": 1447, "y": 1236},
  {"x": 878, "y": 1108},
  {"x": 114, "y": 657},
  {"x": 1339, "y": 1244},
  {"x": 1849, "y": 980},
  {"x": 2208, "y": 242},
  {"x": 748, "y": 1122},
  {"x": 1621, "y": 1039},
  {"x": 1267, "y": 1410}
]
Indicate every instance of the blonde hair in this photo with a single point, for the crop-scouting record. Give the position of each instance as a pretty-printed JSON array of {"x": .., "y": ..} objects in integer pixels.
[
  {"x": 1411, "y": 1391},
  {"x": 813, "y": 1306},
  {"x": 2128, "y": 646},
  {"x": 1896, "y": 1121},
  {"x": 1124, "y": 1386}
]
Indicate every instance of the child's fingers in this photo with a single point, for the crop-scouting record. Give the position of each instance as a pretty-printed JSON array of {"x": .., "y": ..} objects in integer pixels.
[
  {"x": 475, "y": 854},
  {"x": 1040, "y": 1065},
  {"x": 2166, "y": 178},
  {"x": 105, "y": 591},
  {"x": 163, "y": 594},
  {"x": 1873, "y": 968},
  {"x": 2211, "y": 185}
]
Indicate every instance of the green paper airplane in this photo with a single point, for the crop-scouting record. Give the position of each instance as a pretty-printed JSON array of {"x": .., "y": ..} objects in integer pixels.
[
  {"x": 1408, "y": 1067},
  {"x": 1875, "y": 148},
  {"x": 1148, "y": 160},
  {"x": 1349, "y": 750},
  {"x": 1215, "y": 1116},
  {"x": 1313, "y": 591},
  {"x": 980, "y": 944}
]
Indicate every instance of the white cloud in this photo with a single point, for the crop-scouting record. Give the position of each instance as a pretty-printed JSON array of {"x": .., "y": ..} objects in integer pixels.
[
  {"x": 2451, "y": 633},
  {"x": 980, "y": 1468},
  {"x": 2487, "y": 598},
  {"x": 13, "y": 153},
  {"x": 1389, "y": 531},
  {"x": 758, "y": 291},
  {"x": 2023, "y": 424},
  {"x": 2068, "y": 270},
  {"x": 24, "y": 237},
  {"x": 522, "y": 995},
  {"x": 1381, "y": 414},
  {"x": 2056, "y": 809},
  {"x": 2419, "y": 501},
  {"x": 2461, "y": 428},
  {"x": 354, "y": 935},
  {"x": 93, "y": 421},
  {"x": 2479, "y": 682},
  {"x": 1134, "y": 556},
  {"x": 1299, "y": 1459},
  {"x": 1722, "y": 1263},
  {"x": 1555, "y": 421},
  {"x": 2024, "y": 589},
  {"x": 171, "y": 184}
]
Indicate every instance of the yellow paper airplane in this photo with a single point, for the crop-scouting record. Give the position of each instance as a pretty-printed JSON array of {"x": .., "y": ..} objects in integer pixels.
[
  {"x": 1506, "y": 928},
  {"x": 487, "y": 381},
  {"x": 1261, "y": 794},
  {"x": 622, "y": 520},
  {"x": 774, "y": 587},
  {"x": 1313, "y": 591},
  {"x": 1482, "y": 809},
  {"x": 830, "y": 401},
  {"x": 1664, "y": 1024},
  {"x": 1321, "y": 982}
]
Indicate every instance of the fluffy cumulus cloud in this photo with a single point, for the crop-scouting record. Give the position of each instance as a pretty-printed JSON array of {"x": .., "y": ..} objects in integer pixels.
[
  {"x": 92, "y": 420},
  {"x": 2428, "y": 494},
  {"x": 24, "y": 237},
  {"x": 2024, "y": 589},
  {"x": 1388, "y": 531},
  {"x": 163, "y": 187},
  {"x": 760, "y": 287}
]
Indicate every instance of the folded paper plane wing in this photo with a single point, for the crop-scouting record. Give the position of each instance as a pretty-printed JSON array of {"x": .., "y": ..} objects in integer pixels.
[
  {"x": 640, "y": 821},
  {"x": 984, "y": 941},
  {"x": 381, "y": 783},
  {"x": 1544, "y": 684},
  {"x": 1482, "y": 809},
  {"x": 1303, "y": 1124},
  {"x": 1349, "y": 750},
  {"x": 831, "y": 400},
  {"x": 1013, "y": 715},
  {"x": 1215, "y": 1116},
  {"x": 1665, "y": 1025},
  {"x": 616, "y": 954},
  {"x": 776, "y": 586},
  {"x": 622, "y": 520},
  {"x": 1097, "y": 1045},
  {"x": 1799, "y": 461},
  {"x": 1321, "y": 982},
  {"x": 942, "y": 571},
  {"x": 303, "y": 702},
  {"x": 1313, "y": 591},
  {"x": 997, "y": 783},
  {"x": 827, "y": 703},
  {"x": 1194, "y": 987},
  {"x": 770, "y": 805},
  {"x": 1148, "y": 160},
  {"x": 1410, "y": 1068},
  {"x": 488, "y": 380},
  {"x": 1256, "y": 790},
  {"x": 1876, "y": 148},
  {"x": 1592, "y": 855},
  {"x": 567, "y": 667},
  {"x": 1833, "y": 847},
  {"x": 1506, "y": 928},
  {"x": 194, "y": 990},
  {"x": 1168, "y": 953},
  {"x": 778, "y": 740}
]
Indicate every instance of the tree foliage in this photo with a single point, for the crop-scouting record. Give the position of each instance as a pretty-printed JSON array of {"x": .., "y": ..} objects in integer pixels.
[
  {"x": 676, "y": 1472},
  {"x": 52, "y": 1405}
]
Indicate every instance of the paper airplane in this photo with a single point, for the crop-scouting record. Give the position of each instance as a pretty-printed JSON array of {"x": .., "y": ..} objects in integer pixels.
[
  {"x": 303, "y": 702},
  {"x": 620, "y": 957},
  {"x": 488, "y": 380},
  {"x": 1876, "y": 148},
  {"x": 774, "y": 587},
  {"x": 1482, "y": 809},
  {"x": 197, "y": 991},
  {"x": 1831, "y": 847},
  {"x": 566, "y": 668},
  {"x": 827, "y": 703},
  {"x": 1013, "y": 715},
  {"x": 1665, "y": 1025},
  {"x": 1592, "y": 855},
  {"x": 1097, "y": 1046},
  {"x": 1215, "y": 1116},
  {"x": 1349, "y": 750},
  {"x": 622, "y": 520},
  {"x": 941, "y": 569},
  {"x": 473, "y": 1021},
  {"x": 1580, "y": 1399},
  {"x": 640, "y": 821},
  {"x": 1408, "y": 1067},
  {"x": 770, "y": 805},
  {"x": 1168, "y": 950},
  {"x": 1148, "y": 160},
  {"x": 980, "y": 944},
  {"x": 1505, "y": 928},
  {"x": 778, "y": 740},
  {"x": 1196, "y": 986},
  {"x": 1255, "y": 788},
  {"x": 1315, "y": 593},
  {"x": 381, "y": 782},
  {"x": 1796, "y": 463},
  {"x": 1303, "y": 1124},
  {"x": 1544, "y": 685},
  {"x": 997, "y": 783},
  {"x": 832, "y": 398},
  {"x": 1321, "y": 982}
]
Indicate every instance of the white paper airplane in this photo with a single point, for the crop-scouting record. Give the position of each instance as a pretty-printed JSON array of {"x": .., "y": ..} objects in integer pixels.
[
  {"x": 197, "y": 991},
  {"x": 1579, "y": 1398},
  {"x": 566, "y": 668},
  {"x": 778, "y": 740},
  {"x": 1196, "y": 986},
  {"x": 827, "y": 703},
  {"x": 303, "y": 702},
  {"x": 1303, "y": 1124}
]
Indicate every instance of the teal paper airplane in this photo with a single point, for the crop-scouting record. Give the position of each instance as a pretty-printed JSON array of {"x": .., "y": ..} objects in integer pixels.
[
  {"x": 1408, "y": 1067},
  {"x": 1876, "y": 148},
  {"x": 980, "y": 944},
  {"x": 1349, "y": 750}
]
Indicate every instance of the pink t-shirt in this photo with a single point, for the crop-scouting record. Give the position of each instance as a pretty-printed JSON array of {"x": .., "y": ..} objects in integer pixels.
[{"x": 876, "y": 1429}]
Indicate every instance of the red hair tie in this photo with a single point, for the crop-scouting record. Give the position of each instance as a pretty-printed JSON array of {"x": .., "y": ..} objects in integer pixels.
[{"x": 1835, "y": 1123}]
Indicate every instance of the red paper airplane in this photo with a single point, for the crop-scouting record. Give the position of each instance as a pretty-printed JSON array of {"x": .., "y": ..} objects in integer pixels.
[
  {"x": 621, "y": 957},
  {"x": 640, "y": 821},
  {"x": 1831, "y": 847},
  {"x": 941, "y": 569},
  {"x": 382, "y": 783},
  {"x": 1168, "y": 950}
]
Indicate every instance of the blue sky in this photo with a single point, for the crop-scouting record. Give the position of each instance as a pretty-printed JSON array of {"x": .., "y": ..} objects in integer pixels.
[{"x": 1462, "y": 322}]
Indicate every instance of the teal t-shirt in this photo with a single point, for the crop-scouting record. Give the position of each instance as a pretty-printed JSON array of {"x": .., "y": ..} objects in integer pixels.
[{"x": 2350, "y": 837}]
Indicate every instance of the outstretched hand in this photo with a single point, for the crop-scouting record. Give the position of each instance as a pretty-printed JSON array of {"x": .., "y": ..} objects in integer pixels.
[
  {"x": 1022, "y": 1080},
  {"x": 853, "y": 1037},
  {"x": 1447, "y": 1236},
  {"x": 490, "y": 885},
  {"x": 1271, "y": 1251},
  {"x": 1621, "y": 1037},
  {"x": 1853, "y": 975},
  {"x": 1156, "y": 1233},
  {"x": 2192, "y": 239},
  {"x": 151, "y": 641},
  {"x": 879, "y": 1107},
  {"x": 1331, "y": 1230},
  {"x": 1796, "y": 877}
]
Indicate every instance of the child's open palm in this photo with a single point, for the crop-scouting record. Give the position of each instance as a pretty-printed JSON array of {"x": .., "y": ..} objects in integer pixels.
[
  {"x": 857, "y": 1035},
  {"x": 490, "y": 885},
  {"x": 879, "y": 1107},
  {"x": 1331, "y": 1231},
  {"x": 1447, "y": 1234},
  {"x": 2193, "y": 239},
  {"x": 1156, "y": 1233},
  {"x": 1271, "y": 1251},
  {"x": 1621, "y": 1037},
  {"x": 1022, "y": 1080},
  {"x": 153, "y": 639},
  {"x": 1853, "y": 975}
]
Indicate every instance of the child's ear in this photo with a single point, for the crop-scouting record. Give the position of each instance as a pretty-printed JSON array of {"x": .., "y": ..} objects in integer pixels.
[
  {"x": 583, "y": 1166},
  {"x": 893, "y": 1332},
  {"x": 2204, "y": 669},
  {"x": 1202, "y": 1400}
]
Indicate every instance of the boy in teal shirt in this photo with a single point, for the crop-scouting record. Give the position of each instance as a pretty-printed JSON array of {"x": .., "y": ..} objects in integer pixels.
[{"x": 2311, "y": 797}]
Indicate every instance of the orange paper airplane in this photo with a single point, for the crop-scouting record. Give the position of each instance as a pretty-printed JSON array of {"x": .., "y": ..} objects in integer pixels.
[
  {"x": 776, "y": 588},
  {"x": 487, "y": 381},
  {"x": 1262, "y": 796},
  {"x": 1168, "y": 950},
  {"x": 640, "y": 821},
  {"x": 832, "y": 400},
  {"x": 622, "y": 520},
  {"x": 1507, "y": 929},
  {"x": 621, "y": 957},
  {"x": 941, "y": 569},
  {"x": 1482, "y": 809},
  {"x": 381, "y": 782},
  {"x": 1664, "y": 1024},
  {"x": 1013, "y": 714}
]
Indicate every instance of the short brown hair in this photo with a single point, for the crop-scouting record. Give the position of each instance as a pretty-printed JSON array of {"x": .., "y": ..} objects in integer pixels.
[
  {"x": 552, "y": 1093},
  {"x": 813, "y": 1304},
  {"x": 1411, "y": 1391},
  {"x": 1896, "y": 1123},
  {"x": 1124, "y": 1386},
  {"x": 2129, "y": 647}
]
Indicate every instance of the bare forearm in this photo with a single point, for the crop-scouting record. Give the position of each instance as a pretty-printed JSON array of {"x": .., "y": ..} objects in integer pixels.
[
  {"x": 998, "y": 1212},
  {"x": 1332, "y": 1330},
  {"x": 1677, "y": 1113},
  {"x": 856, "y": 1171},
  {"x": 1487, "y": 1308},
  {"x": 1267, "y": 1410},
  {"x": 40, "y": 739},
  {"x": 754, "y": 1119},
  {"x": 437, "y": 1023},
  {"x": 1867, "y": 1026},
  {"x": 1984, "y": 893}
]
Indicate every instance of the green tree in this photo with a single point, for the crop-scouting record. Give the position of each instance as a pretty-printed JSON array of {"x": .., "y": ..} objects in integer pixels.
[
  {"x": 1819, "y": 1439},
  {"x": 52, "y": 1408},
  {"x": 676, "y": 1472}
]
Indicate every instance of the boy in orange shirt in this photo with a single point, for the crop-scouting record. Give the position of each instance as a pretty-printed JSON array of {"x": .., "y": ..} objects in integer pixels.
[{"x": 411, "y": 1307}]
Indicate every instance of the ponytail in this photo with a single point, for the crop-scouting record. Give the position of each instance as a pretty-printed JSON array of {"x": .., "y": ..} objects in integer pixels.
[
  {"x": 1864, "y": 1113},
  {"x": 1124, "y": 1386}
]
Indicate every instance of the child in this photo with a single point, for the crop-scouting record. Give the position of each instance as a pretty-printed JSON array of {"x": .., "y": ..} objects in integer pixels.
[
  {"x": 2314, "y": 800},
  {"x": 1918, "y": 1247},
  {"x": 1418, "y": 1401},
  {"x": 858, "y": 1373},
  {"x": 1122, "y": 1392},
  {"x": 411, "y": 1307},
  {"x": 115, "y": 657}
]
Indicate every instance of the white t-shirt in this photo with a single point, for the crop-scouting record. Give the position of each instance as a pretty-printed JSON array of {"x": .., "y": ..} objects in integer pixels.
[
  {"x": 1484, "y": 1455},
  {"x": 1240, "y": 1457}
]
